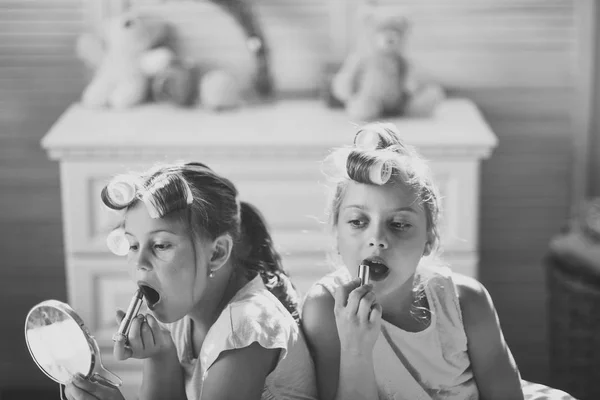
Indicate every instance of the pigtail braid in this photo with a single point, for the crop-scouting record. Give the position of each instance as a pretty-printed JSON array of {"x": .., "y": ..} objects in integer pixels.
[{"x": 257, "y": 255}]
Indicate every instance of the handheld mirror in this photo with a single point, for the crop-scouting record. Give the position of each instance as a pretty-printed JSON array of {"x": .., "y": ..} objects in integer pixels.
[{"x": 61, "y": 345}]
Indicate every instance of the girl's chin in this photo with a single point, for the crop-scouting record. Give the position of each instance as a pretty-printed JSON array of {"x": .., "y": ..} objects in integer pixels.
[
  {"x": 168, "y": 316},
  {"x": 392, "y": 283},
  {"x": 160, "y": 313},
  {"x": 160, "y": 317}
]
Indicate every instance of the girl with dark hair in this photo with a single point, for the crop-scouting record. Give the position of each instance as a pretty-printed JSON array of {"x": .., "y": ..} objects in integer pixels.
[{"x": 224, "y": 314}]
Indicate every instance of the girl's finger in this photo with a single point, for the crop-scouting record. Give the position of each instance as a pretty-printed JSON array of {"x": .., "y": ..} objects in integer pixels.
[
  {"x": 376, "y": 312},
  {"x": 147, "y": 334},
  {"x": 120, "y": 350},
  {"x": 79, "y": 390},
  {"x": 96, "y": 387},
  {"x": 340, "y": 297},
  {"x": 72, "y": 392},
  {"x": 365, "y": 305},
  {"x": 119, "y": 316},
  {"x": 85, "y": 384},
  {"x": 135, "y": 336},
  {"x": 154, "y": 325},
  {"x": 343, "y": 291},
  {"x": 355, "y": 297}
]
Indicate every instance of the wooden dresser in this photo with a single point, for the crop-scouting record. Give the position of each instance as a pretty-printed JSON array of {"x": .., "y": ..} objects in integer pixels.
[{"x": 272, "y": 153}]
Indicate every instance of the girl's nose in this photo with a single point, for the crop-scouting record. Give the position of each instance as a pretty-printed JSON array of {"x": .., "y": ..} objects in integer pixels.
[
  {"x": 379, "y": 242},
  {"x": 142, "y": 261}
]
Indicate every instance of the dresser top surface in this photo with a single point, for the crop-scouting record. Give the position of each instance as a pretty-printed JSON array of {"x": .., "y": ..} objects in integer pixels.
[{"x": 286, "y": 123}]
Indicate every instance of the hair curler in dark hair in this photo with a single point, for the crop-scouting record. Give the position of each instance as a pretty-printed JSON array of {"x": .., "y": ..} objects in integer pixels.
[
  {"x": 124, "y": 190},
  {"x": 174, "y": 184},
  {"x": 120, "y": 192},
  {"x": 257, "y": 254}
]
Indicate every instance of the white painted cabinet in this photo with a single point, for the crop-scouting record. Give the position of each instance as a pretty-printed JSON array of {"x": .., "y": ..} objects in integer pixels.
[{"x": 272, "y": 153}]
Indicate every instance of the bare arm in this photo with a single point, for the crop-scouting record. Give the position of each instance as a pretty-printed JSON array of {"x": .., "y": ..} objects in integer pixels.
[
  {"x": 240, "y": 374},
  {"x": 318, "y": 323},
  {"x": 494, "y": 367},
  {"x": 339, "y": 376}
]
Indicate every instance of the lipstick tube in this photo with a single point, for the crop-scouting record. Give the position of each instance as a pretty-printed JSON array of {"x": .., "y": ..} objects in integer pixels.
[
  {"x": 130, "y": 314},
  {"x": 363, "y": 274}
]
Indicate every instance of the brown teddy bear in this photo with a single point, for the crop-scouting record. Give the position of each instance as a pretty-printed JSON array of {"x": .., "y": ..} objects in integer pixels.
[
  {"x": 378, "y": 81},
  {"x": 124, "y": 60}
]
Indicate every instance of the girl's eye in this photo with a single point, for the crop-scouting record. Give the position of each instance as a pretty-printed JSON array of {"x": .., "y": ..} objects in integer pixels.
[
  {"x": 401, "y": 226},
  {"x": 133, "y": 247},
  {"x": 162, "y": 246},
  {"x": 356, "y": 223}
]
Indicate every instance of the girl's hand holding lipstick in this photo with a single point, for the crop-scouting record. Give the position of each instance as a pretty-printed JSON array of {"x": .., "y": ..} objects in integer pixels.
[
  {"x": 358, "y": 317},
  {"x": 146, "y": 339}
]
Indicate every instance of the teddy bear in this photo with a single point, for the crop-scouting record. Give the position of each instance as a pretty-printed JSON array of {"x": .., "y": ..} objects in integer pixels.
[
  {"x": 176, "y": 84},
  {"x": 124, "y": 60},
  {"x": 220, "y": 90},
  {"x": 377, "y": 80}
]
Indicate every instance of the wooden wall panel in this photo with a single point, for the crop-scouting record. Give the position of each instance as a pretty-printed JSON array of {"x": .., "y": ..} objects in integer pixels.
[
  {"x": 479, "y": 44},
  {"x": 525, "y": 200},
  {"x": 39, "y": 77},
  {"x": 513, "y": 58}
]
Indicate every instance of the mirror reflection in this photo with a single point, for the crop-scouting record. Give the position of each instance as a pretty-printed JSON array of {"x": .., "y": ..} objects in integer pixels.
[{"x": 57, "y": 342}]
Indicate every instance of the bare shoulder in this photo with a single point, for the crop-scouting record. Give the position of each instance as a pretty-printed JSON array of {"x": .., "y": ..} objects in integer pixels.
[
  {"x": 318, "y": 320},
  {"x": 468, "y": 286},
  {"x": 494, "y": 367},
  {"x": 317, "y": 308},
  {"x": 475, "y": 301},
  {"x": 320, "y": 329}
]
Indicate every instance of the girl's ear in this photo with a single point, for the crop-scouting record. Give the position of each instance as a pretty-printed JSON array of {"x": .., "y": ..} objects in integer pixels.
[
  {"x": 221, "y": 251},
  {"x": 428, "y": 244},
  {"x": 427, "y": 249}
]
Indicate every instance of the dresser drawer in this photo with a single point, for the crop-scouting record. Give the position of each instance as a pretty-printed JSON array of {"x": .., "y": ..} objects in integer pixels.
[
  {"x": 458, "y": 183},
  {"x": 291, "y": 195}
]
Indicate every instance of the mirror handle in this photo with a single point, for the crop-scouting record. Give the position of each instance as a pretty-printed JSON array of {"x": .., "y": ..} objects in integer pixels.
[{"x": 112, "y": 380}]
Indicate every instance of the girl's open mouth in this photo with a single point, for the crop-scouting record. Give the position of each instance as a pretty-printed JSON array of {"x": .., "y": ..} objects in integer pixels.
[
  {"x": 151, "y": 295},
  {"x": 378, "y": 271}
]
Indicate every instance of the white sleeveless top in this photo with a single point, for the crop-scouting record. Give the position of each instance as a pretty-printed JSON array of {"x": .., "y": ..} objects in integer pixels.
[
  {"x": 436, "y": 358},
  {"x": 253, "y": 315}
]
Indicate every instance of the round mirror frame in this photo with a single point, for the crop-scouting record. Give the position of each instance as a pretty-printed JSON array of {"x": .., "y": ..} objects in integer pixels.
[{"x": 93, "y": 345}]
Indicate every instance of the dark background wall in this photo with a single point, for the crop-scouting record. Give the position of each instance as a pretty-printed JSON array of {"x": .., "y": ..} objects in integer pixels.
[
  {"x": 515, "y": 63},
  {"x": 39, "y": 77}
]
